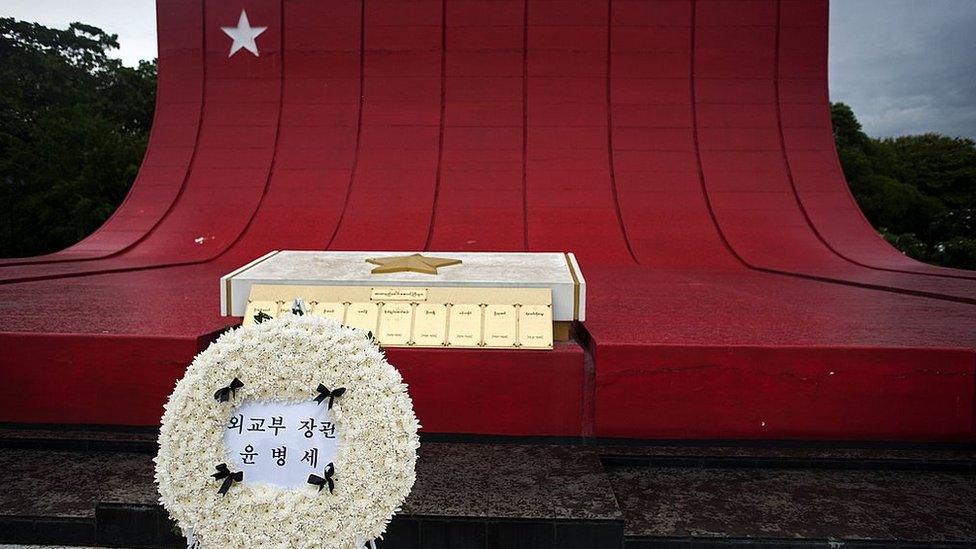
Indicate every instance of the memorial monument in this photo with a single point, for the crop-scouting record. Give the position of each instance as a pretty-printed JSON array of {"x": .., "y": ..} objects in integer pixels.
[
  {"x": 439, "y": 176},
  {"x": 490, "y": 300}
]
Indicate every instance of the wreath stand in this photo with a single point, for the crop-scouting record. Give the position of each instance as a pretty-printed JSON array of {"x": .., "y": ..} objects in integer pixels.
[{"x": 287, "y": 360}]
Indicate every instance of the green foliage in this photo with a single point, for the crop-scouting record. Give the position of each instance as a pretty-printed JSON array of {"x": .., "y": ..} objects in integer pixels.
[
  {"x": 919, "y": 191},
  {"x": 73, "y": 128},
  {"x": 960, "y": 251},
  {"x": 938, "y": 166}
]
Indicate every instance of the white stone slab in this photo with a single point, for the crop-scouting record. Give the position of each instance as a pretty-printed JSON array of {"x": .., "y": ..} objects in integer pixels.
[{"x": 478, "y": 270}]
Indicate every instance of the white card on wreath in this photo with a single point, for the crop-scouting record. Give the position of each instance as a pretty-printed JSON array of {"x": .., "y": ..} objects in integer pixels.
[{"x": 281, "y": 444}]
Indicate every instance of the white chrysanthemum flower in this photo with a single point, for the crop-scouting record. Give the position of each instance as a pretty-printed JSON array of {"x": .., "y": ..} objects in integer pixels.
[{"x": 284, "y": 360}]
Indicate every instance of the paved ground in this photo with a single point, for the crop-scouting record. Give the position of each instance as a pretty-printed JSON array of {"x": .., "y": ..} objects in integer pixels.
[
  {"x": 790, "y": 504},
  {"x": 467, "y": 480},
  {"x": 673, "y": 492},
  {"x": 35, "y": 482}
]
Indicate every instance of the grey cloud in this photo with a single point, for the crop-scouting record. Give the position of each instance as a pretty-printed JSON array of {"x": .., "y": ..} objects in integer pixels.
[
  {"x": 906, "y": 66},
  {"x": 133, "y": 20}
]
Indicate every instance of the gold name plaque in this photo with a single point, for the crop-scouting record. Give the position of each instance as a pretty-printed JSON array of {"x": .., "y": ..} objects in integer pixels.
[
  {"x": 461, "y": 318},
  {"x": 398, "y": 294}
]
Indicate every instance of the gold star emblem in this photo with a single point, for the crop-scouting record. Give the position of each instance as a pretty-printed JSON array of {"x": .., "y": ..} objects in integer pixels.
[{"x": 414, "y": 263}]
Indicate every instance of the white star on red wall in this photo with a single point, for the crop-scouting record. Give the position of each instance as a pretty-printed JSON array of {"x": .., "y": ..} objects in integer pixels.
[{"x": 243, "y": 35}]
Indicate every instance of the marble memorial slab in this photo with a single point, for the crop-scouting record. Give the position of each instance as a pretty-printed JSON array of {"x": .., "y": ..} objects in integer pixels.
[{"x": 556, "y": 271}]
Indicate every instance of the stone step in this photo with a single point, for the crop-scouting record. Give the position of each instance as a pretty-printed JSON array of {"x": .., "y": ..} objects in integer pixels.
[
  {"x": 822, "y": 502},
  {"x": 961, "y": 458},
  {"x": 507, "y": 493},
  {"x": 50, "y": 437},
  {"x": 467, "y": 495}
]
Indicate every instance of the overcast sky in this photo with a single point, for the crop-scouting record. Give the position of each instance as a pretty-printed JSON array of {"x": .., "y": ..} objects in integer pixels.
[{"x": 905, "y": 66}]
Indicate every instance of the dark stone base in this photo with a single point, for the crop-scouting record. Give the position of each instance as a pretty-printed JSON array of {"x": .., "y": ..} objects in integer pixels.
[
  {"x": 123, "y": 524},
  {"x": 741, "y": 543},
  {"x": 47, "y": 530},
  {"x": 512, "y": 494}
]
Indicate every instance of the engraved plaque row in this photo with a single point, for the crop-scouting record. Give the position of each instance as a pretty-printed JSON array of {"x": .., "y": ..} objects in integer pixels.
[{"x": 412, "y": 324}]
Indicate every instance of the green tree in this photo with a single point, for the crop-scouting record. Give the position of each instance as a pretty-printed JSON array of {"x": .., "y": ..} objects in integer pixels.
[
  {"x": 894, "y": 206},
  {"x": 919, "y": 191},
  {"x": 937, "y": 165},
  {"x": 73, "y": 129}
]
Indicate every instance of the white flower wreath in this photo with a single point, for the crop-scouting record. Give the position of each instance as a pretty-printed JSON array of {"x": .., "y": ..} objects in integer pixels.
[{"x": 284, "y": 360}]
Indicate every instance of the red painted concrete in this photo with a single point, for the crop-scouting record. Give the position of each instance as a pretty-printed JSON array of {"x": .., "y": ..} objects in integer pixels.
[
  {"x": 466, "y": 391},
  {"x": 91, "y": 378},
  {"x": 717, "y": 353},
  {"x": 680, "y": 148},
  {"x": 782, "y": 393}
]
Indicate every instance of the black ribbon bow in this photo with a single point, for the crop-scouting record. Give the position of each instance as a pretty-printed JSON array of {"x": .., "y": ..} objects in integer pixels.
[
  {"x": 322, "y": 481},
  {"x": 225, "y": 393},
  {"x": 325, "y": 393},
  {"x": 261, "y": 316},
  {"x": 229, "y": 478}
]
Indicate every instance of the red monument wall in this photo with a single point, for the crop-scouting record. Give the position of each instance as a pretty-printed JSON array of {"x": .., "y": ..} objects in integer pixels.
[{"x": 681, "y": 148}]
